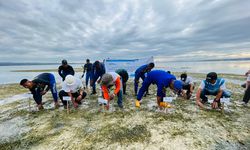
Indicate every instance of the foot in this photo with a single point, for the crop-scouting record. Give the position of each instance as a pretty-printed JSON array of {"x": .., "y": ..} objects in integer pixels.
[
  {"x": 120, "y": 106},
  {"x": 40, "y": 107},
  {"x": 137, "y": 104},
  {"x": 57, "y": 105},
  {"x": 93, "y": 93}
]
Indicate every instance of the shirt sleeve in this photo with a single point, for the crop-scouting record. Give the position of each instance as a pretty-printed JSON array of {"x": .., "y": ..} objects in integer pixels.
[
  {"x": 65, "y": 88},
  {"x": 202, "y": 85},
  {"x": 160, "y": 90},
  {"x": 223, "y": 86},
  {"x": 117, "y": 85},
  {"x": 105, "y": 92},
  {"x": 190, "y": 80}
]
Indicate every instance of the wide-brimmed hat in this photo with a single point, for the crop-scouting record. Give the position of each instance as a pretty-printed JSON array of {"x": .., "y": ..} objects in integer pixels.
[{"x": 70, "y": 80}]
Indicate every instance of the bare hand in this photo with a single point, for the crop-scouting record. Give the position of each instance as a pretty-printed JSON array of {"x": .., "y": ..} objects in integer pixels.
[
  {"x": 79, "y": 98},
  {"x": 75, "y": 104},
  {"x": 214, "y": 104},
  {"x": 112, "y": 96},
  {"x": 43, "y": 92}
]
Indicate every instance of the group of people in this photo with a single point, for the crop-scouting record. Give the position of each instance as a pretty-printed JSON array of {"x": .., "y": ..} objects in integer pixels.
[{"x": 95, "y": 73}]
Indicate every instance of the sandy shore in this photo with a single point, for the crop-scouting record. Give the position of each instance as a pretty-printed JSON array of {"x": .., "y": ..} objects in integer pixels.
[{"x": 184, "y": 127}]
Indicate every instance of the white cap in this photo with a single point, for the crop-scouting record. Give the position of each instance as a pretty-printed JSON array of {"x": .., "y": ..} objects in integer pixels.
[{"x": 70, "y": 80}]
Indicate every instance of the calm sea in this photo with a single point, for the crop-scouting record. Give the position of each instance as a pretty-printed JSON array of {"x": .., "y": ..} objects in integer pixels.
[{"x": 234, "y": 67}]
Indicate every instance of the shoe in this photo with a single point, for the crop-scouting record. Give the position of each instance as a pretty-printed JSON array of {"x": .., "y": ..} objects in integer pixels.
[
  {"x": 120, "y": 106},
  {"x": 137, "y": 103},
  {"x": 57, "y": 105},
  {"x": 93, "y": 93}
]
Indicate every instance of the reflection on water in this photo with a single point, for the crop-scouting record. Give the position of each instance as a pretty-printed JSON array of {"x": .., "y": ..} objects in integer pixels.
[{"x": 234, "y": 67}]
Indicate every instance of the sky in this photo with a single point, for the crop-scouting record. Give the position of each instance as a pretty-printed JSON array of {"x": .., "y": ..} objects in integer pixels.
[{"x": 169, "y": 30}]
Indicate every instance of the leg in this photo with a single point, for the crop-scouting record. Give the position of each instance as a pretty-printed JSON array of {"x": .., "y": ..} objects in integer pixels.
[
  {"x": 53, "y": 87},
  {"x": 119, "y": 101},
  {"x": 247, "y": 95},
  {"x": 203, "y": 96},
  {"x": 136, "y": 82},
  {"x": 124, "y": 87},
  {"x": 87, "y": 78},
  {"x": 62, "y": 93},
  {"x": 146, "y": 83}
]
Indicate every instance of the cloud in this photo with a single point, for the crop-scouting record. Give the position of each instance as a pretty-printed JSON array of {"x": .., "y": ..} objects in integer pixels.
[{"x": 49, "y": 30}]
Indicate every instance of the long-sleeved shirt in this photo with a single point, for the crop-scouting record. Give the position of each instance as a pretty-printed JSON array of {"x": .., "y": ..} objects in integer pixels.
[
  {"x": 140, "y": 72},
  {"x": 98, "y": 71},
  {"x": 159, "y": 77},
  {"x": 117, "y": 82},
  {"x": 64, "y": 71}
]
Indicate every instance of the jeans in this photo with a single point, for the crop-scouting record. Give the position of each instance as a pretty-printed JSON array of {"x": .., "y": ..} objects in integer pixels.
[
  {"x": 136, "y": 82},
  {"x": 52, "y": 87},
  {"x": 88, "y": 74}
]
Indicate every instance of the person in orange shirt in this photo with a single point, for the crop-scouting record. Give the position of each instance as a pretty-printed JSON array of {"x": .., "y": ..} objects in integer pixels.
[{"x": 107, "y": 81}]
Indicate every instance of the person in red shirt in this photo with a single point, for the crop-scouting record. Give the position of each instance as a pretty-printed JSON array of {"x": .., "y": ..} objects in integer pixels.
[{"x": 107, "y": 81}]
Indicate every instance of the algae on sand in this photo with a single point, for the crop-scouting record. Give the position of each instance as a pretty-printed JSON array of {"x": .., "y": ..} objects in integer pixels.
[{"x": 186, "y": 127}]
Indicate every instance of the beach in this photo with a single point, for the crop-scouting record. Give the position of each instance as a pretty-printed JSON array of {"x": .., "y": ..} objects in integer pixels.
[{"x": 184, "y": 126}]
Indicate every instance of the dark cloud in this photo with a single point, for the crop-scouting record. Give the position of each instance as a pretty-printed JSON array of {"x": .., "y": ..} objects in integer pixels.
[{"x": 97, "y": 29}]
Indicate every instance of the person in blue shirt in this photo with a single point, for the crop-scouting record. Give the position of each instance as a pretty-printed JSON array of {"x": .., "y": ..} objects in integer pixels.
[
  {"x": 211, "y": 86},
  {"x": 40, "y": 86},
  {"x": 87, "y": 68},
  {"x": 140, "y": 73},
  {"x": 97, "y": 71},
  {"x": 163, "y": 80},
  {"x": 65, "y": 69}
]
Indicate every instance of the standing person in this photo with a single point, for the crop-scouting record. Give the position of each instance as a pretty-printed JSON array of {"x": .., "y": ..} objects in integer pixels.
[
  {"x": 140, "y": 73},
  {"x": 87, "y": 68},
  {"x": 188, "y": 84},
  {"x": 124, "y": 76},
  {"x": 65, "y": 69},
  {"x": 107, "y": 81},
  {"x": 211, "y": 86},
  {"x": 40, "y": 86},
  {"x": 97, "y": 71},
  {"x": 73, "y": 88},
  {"x": 163, "y": 80},
  {"x": 247, "y": 91}
]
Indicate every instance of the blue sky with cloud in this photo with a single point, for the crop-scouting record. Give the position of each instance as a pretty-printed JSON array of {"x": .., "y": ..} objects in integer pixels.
[{"x": 49, "y": 30}]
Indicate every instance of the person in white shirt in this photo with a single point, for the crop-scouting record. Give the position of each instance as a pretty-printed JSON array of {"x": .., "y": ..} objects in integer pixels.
[
  {"x": 188, "y": 84},
  {"x": 73, "y": 88},
  {"x": 247, "y": 91}
]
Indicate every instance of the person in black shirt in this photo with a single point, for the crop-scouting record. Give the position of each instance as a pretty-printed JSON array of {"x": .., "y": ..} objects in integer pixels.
[
  {"x": 87, "y": 68},
  {"x": 97, "y": 71},
  {"x": 40, "y": 86},
  {"x": 124, "y": 75},
  {"x": 65, "y": 69}
]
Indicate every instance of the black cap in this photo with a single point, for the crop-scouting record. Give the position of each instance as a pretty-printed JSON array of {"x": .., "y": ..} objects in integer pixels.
[
  {"x": 23, "y": 81},
  {"x": 64, "y": 62},
  {"x": 183, "y": 77},
  {"x": 211, "y": 76}
]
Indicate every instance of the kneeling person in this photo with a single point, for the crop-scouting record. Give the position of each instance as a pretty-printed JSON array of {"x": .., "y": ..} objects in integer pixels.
[
  {"x": 211, "y": 86},
  {"x": 73, "y": 88},
  {"x": 40, "y": 86},
  {"x": 188, "y": 85},
  {"x": 107, "y": 81}
]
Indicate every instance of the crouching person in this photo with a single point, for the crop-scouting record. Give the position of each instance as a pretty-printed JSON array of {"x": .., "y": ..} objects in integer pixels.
[
  {"x": 188, "y": 85},
  {"x": 107, "y": 81},
  {"x": 73, "y": 88},
  {"x": 40, "y": 86},
  {"x": 163, "y": 80},
  {"x": 211, "y": 86}
]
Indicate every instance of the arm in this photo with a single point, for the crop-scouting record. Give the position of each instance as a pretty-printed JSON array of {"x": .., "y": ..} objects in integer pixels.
[
  {"x": 198, "y": 99},
  {"x": 60, "y": 72},
  {"x": 72, "y": 71},
  {"x": 105, "y": 92},
  {"x": 217, "y": 99},
  {"x": 72, "y": 99}
]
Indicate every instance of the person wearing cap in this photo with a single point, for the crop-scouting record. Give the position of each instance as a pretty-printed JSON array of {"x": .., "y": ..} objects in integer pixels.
[
  {"x": 188, "y": 84},
  {"x": 140, "y": 73},
  {"x": 107, "y": 81},
  {"x": 39, "y": 86},
  {"x": 65, "y": 69},
  {"x": 163, "y": 80},
  {"x": 87, "y": 68},
  {"x": 124, "y": 76},
  {"x": 247, "y": 91},
  {"x": 97, "y": 71},
  {"x": 73, "y": 88},
  {"x": 211, "y": 86}
]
